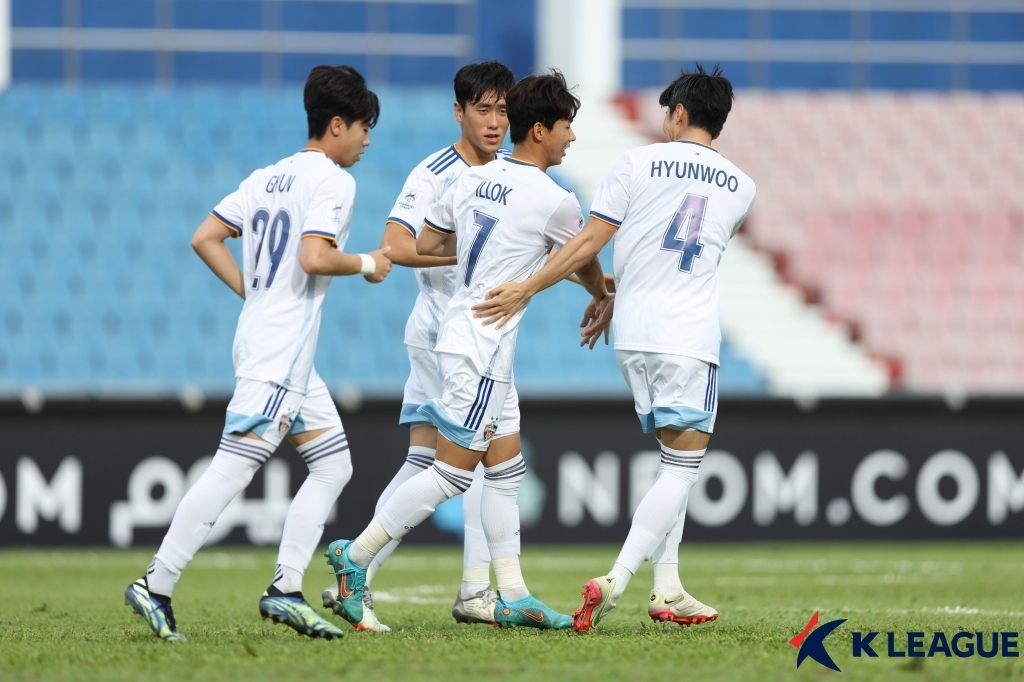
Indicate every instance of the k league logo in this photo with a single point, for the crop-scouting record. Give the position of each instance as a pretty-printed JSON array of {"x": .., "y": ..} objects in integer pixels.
[
  {"x": 812, "y": 644},
  {"x": 963, "y": 644}
]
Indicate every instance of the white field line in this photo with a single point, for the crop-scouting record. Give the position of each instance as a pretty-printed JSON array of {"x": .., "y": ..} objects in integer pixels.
[
  {"x": 422, "y": 594},
  {"x": 924, "y": 611}
]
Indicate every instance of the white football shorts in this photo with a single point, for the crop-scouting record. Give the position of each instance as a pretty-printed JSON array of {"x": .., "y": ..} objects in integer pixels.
[
  {"x": 472, "y": 410},
  {"x": 273, "y": 412},
  {"x": 671, "y": 391},
  {"x": 424, "y": 383}
]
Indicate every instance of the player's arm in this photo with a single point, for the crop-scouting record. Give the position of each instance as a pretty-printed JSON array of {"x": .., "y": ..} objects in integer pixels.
[
  {"x": 437, "y": 237},
  {"x": 435, "y": 242},
  {"x": 403, "y": 248},
  {"x": 208, "y": 243},
  {"x": 506, "y": 300},
  {"x": 319, "y": 256},
  {"x": 609, "y": 279}
]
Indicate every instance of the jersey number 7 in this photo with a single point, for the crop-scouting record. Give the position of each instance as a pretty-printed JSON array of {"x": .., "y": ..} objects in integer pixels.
[
  {"x": 486, "y": 223},
  {"x": 683, "y": 234}
]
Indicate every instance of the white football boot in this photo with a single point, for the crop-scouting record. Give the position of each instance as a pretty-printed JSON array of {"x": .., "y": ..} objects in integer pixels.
[
  {"x": 477, "y": 609},
  {"x": 679, "y": 608},
  {"x": 368, "y": 623}
]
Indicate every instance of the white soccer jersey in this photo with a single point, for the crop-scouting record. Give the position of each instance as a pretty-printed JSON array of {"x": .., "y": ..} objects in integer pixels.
[
  {"x": 306, "y": 194},
  {"x": 676, "y": 204},
  {"x": 506, "y": 216},
  {"x": 425, "y": 185}
]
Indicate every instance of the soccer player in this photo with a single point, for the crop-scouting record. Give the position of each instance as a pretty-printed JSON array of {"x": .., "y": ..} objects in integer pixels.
[
  {"x": 671, "y": 208},
  {"x": 480, "y": 110},
  {"x": 293, "y": 218},
  {"x": 501, "y": 220}
]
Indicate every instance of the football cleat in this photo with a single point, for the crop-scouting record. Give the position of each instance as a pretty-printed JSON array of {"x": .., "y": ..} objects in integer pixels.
[
  {"x": 529, "y": 612},
  {"x": 351, "y": 581},
  {"x": 369, "y": 622},
  {"x": 292, "y": 610},
  {"x": 158, "y": 614},
  {"x": 597, "y": 596},
  {"x": 680, "y": 608},
  {"x": 477, "y": 609}
]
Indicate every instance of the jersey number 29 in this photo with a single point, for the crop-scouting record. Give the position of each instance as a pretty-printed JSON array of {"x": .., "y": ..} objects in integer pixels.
[
  {"x": 275, "y": 234},
  {"x": 683, "y": 234}
]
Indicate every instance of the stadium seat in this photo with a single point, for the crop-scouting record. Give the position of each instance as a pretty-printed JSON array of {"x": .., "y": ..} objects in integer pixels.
[{"x": 101, "y": 190}]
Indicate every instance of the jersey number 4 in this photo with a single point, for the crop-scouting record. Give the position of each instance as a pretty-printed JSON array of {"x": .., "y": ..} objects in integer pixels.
[
  {"x": 486, "y": 224},
  {"x": 275, "y": 234},
  {"x": 683, "y": 234}
]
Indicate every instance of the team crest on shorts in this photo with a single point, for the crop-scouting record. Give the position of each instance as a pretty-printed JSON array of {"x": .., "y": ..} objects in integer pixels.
[
  {"x": 490, "y": 430},
  {"x": 285, "y": 422}
]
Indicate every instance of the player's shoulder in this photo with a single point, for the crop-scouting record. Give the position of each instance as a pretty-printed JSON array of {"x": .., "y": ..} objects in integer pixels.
[
  {"x": 318, "y": 170},
  {"x": 440, "y": 162}
]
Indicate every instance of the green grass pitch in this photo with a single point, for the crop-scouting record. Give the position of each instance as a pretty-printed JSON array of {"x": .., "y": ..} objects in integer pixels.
[{"x": 62, "y": 617}]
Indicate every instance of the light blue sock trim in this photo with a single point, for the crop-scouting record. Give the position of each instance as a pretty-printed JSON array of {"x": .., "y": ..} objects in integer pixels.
[
  {"x": 236, "y": 423},
  {"x": 410, "y": 416},
  {"x": 449, "y": 428},
  {"x": 681, "y": 418}
]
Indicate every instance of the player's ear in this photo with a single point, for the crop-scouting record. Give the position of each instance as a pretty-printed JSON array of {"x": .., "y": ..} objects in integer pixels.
[
  {"x": 458, "y": 112},
  {"x": 336, "y": 126},
  {"x": 681, "y": 117},
  {"x": 538, "y": 132}
]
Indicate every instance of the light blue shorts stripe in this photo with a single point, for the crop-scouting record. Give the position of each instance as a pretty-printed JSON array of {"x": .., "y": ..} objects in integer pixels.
[
  {"x": 682, "y": 418},
  {"x": 298, "y": 425},
  {"x": 241, "y": 423},
  {"x": 449, "y": 428},
  {"x": 411, "y": 417}
]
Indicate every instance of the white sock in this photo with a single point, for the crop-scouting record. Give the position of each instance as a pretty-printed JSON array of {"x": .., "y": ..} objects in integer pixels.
[
  {"x": 379, "y": 558},
  {"x": 232, "y": 468},
  {"x": 413, "y": 502},
  {"x": 499, "y": 514},
  {"x": 160, "y": 580},
  {"x": 660, "y": 508},
  {"x": 666, "y": 579},
  {"x": 369, "y": 543},
  {"x": 665, "y": 558},
  {"x": 499, "y": 517},
  {"x": 508, "y": 574},
  {"x": 330, "y": 468},
  {"x": 622, "y": 577},
  {"x": 287, "y": 579},
  {"x": 476, "y": 557},
  {"x": 418, "y": 459}
]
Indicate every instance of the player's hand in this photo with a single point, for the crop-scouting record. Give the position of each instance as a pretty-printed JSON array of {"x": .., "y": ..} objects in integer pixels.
[
  {"x": 597, "y": 319},
  {"x": 502, "y": 304},
  {"x": 380, "y": 257}
]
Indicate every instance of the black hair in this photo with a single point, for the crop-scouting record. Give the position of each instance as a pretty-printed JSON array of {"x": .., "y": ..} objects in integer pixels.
[
  {"x": 337, "y": 91},
  {"x": 542, "y": 99},
  {"x": 707, "y": 98},
  {"x": 474, "y": 81}
]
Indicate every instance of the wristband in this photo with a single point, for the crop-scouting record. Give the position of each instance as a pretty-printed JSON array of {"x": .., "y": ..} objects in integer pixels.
[{"x": 369, "y": 265}]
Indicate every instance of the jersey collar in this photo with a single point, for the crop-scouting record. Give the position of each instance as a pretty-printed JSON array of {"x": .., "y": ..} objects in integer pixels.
[
  {"x": 699, "y": 145},
  {"x": 512, "y": 159}
]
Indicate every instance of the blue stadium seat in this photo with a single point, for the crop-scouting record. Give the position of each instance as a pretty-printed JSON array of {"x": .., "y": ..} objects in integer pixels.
[{"x": 101, "y": 190}]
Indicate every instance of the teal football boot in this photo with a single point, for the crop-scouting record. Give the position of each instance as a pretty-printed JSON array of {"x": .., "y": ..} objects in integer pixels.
[
  {"x": 351, "y": 581},
  {"x": 292, "y": 610},
  {"x": 529, "y": 612},
  {"x": 157, "y": 613}
]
